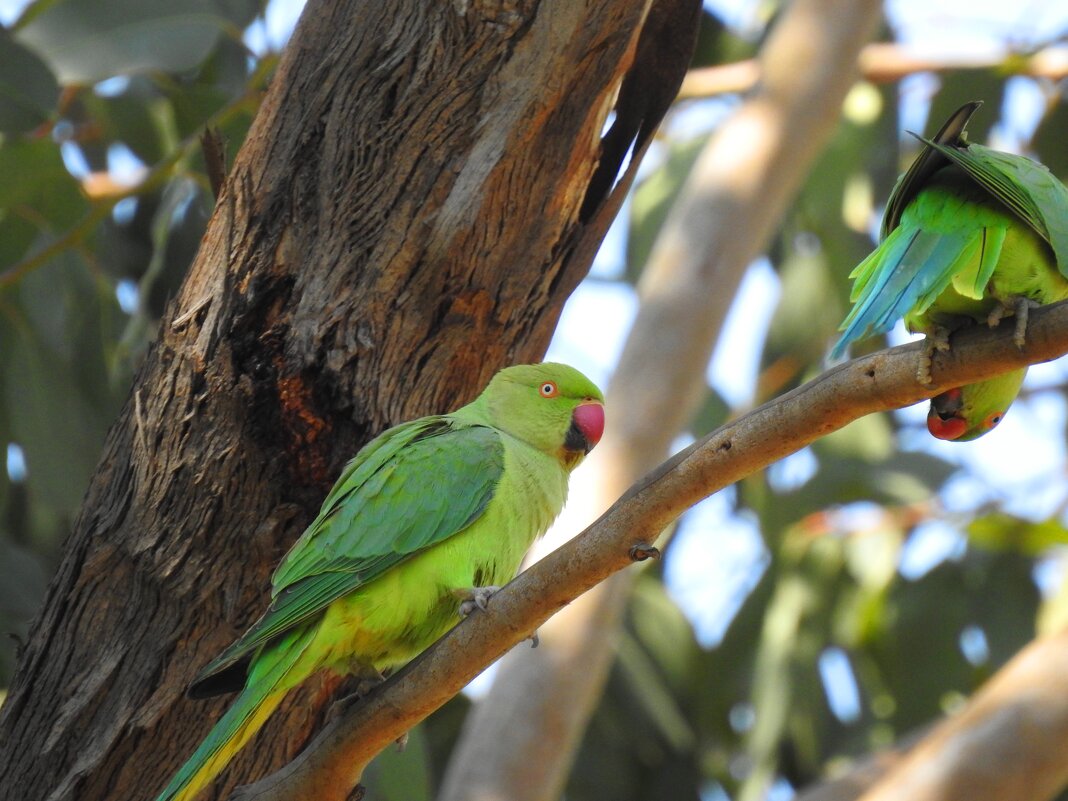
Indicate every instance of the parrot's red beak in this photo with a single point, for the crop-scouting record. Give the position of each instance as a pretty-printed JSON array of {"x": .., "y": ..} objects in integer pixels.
[
  {"x": 587, "y": 426},
  {"x": 943, "y": 419}
]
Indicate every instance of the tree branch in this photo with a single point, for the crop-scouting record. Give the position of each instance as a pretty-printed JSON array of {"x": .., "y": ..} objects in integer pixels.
[
  {"x": 881, "y": 62},
  {"x": 886, "y": 380},
  {"x": 1007, "y": 742}
]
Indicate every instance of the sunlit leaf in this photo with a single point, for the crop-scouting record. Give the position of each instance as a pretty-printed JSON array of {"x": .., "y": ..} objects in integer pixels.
[
  {"x": 86, "y": 41},
  {"x": 1000, "y": 532}
]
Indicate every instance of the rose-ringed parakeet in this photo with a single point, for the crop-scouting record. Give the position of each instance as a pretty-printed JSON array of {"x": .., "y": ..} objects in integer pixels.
[
  {"x": 430, "y": 515},
  {"x": 970, "y": 234}
]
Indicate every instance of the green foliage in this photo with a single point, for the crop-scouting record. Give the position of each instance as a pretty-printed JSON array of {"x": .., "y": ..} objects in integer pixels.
[
  {"x": 69, "y": 237},
  {"x": 402, "y": 775},
  {"x": 28, "y": 90},
  {"x": 86, "y": 41}
]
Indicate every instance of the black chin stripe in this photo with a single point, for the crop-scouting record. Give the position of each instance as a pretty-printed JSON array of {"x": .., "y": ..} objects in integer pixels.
[{"x": 576, "y": 440}]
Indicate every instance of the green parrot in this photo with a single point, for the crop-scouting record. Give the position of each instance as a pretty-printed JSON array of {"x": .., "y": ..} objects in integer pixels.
[
  {"x": 970, "y": 234},
  {"x": 431, "y": 514}
]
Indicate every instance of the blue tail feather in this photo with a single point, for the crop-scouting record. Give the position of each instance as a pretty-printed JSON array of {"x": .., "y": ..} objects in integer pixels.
[{"x": 915, "y": 266}]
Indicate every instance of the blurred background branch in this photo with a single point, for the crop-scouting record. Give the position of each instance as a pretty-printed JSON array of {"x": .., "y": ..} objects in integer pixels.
[
  {"x": 885, "y": 62},
  {"x": 1007, "y": 742}
]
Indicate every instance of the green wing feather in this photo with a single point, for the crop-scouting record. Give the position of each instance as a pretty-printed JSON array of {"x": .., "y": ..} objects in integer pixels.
[
  {"x": 1029, "y": 190},
  {"x": 411, "y": 488}
]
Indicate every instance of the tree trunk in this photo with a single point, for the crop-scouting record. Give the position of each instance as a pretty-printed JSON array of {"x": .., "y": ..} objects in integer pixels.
[{"x": 423, "y": 187}]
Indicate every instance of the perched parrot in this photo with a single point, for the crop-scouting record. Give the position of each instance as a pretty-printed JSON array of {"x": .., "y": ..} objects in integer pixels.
[
  {"x": 431, "y": 514},
  {"x": 970, "y": 234}
]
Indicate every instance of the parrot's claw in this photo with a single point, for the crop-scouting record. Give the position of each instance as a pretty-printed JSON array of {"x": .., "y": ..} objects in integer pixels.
[
  {"x": 476, "y": 598},
  {"x": 402, "y": 741},
  {"x": 937, "y": 340},
  {"x": 1022, "y": 310},
  {"x": 1019, "y": 308},
  {"x": 363, "y": 687},
  {"x": 534, "y": 639},
  {"x": 993, "y": 320}
]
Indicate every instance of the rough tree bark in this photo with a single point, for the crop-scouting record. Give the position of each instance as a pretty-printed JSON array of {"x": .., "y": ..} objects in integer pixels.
[
  {"x": 734, "y": 197},
  {"x": 423, "y": 187}
]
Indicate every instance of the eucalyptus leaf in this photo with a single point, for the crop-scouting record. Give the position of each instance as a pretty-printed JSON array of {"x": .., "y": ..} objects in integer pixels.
[
  {"x": 35, "y": 184},
  {"x": 86, "y": 41},
  {"x": 21, "y": 592},
  {"x": 653, "y": 199},
  {"x": 28, "y": 89}
]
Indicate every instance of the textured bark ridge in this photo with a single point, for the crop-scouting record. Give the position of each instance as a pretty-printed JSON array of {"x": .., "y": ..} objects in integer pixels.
[{"x": 411, "y": 208}]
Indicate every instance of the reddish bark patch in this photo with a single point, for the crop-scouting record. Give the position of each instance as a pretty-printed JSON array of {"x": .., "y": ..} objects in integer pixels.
[{"x": 303, "y": 429}]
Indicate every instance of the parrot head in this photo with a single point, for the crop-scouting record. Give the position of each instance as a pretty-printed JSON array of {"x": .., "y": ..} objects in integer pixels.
[
  {"x": 964, "y": 413},
  {"x": 551, "y": 406}
]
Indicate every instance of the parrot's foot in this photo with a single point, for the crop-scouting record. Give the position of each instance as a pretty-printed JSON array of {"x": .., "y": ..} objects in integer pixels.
[
  {"x": 937, "y": 340},
  {"x": 1019, "y": 307},
  {"x": 363, "y": 687},
  {"x": 997, "y": 314},
  {"x": 475, "y": 598},
  {"x": 402, "y": 741}
]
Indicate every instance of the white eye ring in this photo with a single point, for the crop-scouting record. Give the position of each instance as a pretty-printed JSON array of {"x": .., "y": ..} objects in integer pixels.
[{"x": 548, "y": 389}]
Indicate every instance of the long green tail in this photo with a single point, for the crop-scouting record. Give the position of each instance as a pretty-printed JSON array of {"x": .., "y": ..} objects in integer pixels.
[{"x": 267, "y": 684}]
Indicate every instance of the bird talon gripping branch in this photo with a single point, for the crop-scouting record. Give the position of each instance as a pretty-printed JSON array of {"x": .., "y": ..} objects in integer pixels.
[{"x": 476, "y": 598}]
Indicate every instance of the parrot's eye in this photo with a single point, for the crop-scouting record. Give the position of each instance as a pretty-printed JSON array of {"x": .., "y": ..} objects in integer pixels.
[
  {"x": 548, "y": 389},
  {"x": 993, "y": 419}
]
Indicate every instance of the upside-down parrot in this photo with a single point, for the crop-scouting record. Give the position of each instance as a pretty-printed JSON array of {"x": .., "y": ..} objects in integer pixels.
[
  {"x": 969, "y": 235},
  {"x": 432, "y": 513}
]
